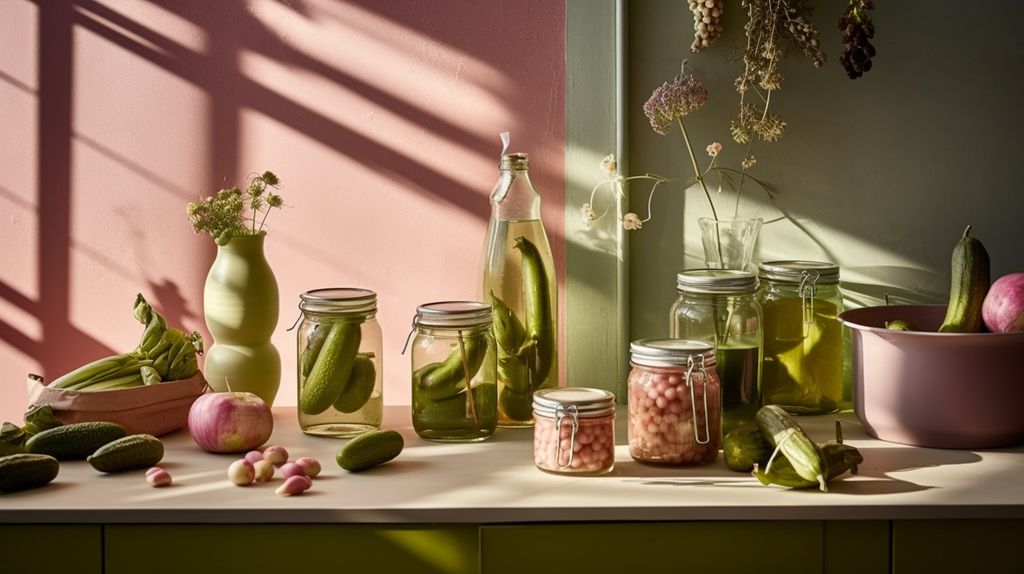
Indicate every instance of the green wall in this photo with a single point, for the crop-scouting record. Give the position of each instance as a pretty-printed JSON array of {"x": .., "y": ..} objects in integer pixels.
[{"x": 879, "y": 175}]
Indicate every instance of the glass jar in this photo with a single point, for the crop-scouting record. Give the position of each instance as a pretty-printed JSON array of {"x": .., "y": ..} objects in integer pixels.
[
  {"x": 520, "y": 284},
  {"x": 803, "y": 340},
  {"x": 675, "y": 402},
  {"x": 454, "y": 343},
  {"x": 720, "y": 307},
  {"x": 574, "y": 430},
  {"x": 340, "y": 362}
]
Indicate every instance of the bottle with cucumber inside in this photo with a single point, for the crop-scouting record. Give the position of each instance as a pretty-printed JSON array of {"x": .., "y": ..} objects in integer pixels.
[
  {"x": 519, "y": 283},
  {"x": 339, "y": 363}
]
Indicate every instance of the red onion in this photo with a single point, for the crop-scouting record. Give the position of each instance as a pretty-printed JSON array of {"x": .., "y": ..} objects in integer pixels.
[{"x": 230, "y": 421}]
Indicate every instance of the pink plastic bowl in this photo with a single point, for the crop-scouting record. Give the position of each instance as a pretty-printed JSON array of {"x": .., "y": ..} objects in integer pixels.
[{"x": 944, "y": 390}]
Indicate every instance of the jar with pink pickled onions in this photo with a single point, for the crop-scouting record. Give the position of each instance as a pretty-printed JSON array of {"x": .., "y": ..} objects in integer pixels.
[
  {"x": 674, "y": 401},
  {"x": 574, "y": 430}
]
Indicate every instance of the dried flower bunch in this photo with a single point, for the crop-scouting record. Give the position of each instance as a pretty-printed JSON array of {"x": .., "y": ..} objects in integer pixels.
[
  {"x": 666, "y": 108},
  {"x": 223, "y": 215},
  {"x": 775, "y": 29}
]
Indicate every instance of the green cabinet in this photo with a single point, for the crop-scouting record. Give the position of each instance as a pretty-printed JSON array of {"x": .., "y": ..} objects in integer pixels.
[
  {"x": 51, "y": 548},
  {"x": 793, "y": 546},
  {"x": 363, "y": 548}
]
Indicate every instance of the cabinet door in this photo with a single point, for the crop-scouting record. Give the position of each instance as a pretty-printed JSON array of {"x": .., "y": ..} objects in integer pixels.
[
  {"x": 369, "y": 548},
  {"x": 51, "y": 548},
  {"x": 929, "y": 546},
  {"x": 699, "y": 547}
]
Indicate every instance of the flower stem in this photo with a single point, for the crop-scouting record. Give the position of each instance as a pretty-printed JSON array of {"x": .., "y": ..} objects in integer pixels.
[{"x": 696, "y": 169}]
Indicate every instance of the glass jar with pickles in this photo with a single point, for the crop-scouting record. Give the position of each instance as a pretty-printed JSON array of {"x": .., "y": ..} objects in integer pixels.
[
  {"x": 802, "y": 369},
  {"x": 520, "y": 284},
  {"x": 339, "y": 362},
  {"x": 454, "y": 377},
  {"x": 720, "y": 306}
]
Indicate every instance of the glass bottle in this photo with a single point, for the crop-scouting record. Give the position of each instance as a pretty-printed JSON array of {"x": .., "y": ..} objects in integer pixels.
[
  {"x": 520, "y": 284},
  {"x": 574, "y": 430},
  {"x": 453, "y": 343},
  {"x": 720, "y": 307},
  {"x": 340, "y": 362},
  {"x": 803, "y": 340},
  {"x": 675, "y": 402}
]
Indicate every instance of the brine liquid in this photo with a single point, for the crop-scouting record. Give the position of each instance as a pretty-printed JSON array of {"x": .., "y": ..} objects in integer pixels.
[
  {"x": 803, "y": 364},
  {"x": 737, "y": 369},
  {"x": 502, "y": 275}
]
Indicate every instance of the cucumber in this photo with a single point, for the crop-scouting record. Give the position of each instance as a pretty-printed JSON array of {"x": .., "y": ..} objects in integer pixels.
[
  {"x": 900, "y": 325},
  {"x": 744, "y": 447},
  {"x": 781, "y": 472},
  {"x": 452, "y": 413},
  {"x": 128, "y": 453},
  {"x": 970, "y": 280},
  {"x": 332, "y": 368},
  {"x": 75, "y": 441},
  {"x": 789, "y": 439},
  {"x": 360, "y": 385},
  {"x": 370, "y": 449},
  {"x": 540, "y": 319},
  {"x": 438, "y": 381},
  {"x": 515, "y": 406},
  {"x": 23, "y": 470}
]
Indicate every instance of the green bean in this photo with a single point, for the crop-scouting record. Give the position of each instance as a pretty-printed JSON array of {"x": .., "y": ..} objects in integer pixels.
[
  {"x": 508, "y": 329},
  {"x": 514, "y": 373},
  {"x": 537, "y": 299}
]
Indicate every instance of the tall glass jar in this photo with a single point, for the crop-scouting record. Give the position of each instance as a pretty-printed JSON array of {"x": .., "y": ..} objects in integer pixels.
[
  {"x": 720, "y": 307},
  {"x": 340, "y": 362},
  {"x": 675, "y": 402},
  {"x": 803, "y": 339},
  {"x": 574, "y": 430},
  {"x": 454, "y": 343},
  {"x": 520, "y": 284}
]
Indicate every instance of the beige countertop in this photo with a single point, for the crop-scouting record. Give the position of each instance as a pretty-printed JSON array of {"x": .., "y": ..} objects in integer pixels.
[{"x": 496, "y": 482}]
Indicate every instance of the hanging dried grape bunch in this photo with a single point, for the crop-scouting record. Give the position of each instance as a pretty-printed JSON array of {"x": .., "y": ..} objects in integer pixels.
[
  {"x": 857, "y": 30},
  {"x": 707, "y": 22}
]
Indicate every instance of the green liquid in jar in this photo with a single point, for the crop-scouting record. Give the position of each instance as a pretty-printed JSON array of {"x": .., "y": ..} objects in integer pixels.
[
  {"x": 803, "y": 364},
  {"x": 741, "y": 397}
]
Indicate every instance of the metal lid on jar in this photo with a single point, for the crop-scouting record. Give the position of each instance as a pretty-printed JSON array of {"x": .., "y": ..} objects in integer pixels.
[
  {"x": 795, "y": 272},
  {"x": 453, "y": 314},
  {"x": 585, "y": 402},
  {"x": 670, "y": 352},
  {"x": 339, "y": 300},
  {"x": 716, "y": 281}
]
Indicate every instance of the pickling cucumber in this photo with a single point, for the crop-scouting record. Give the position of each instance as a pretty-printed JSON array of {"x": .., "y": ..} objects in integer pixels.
[
  {"x": 360, "y": 385},
  {"x": 74, "y": 441},
  {"x": 969, "y": 283},
  {"x": 744, "y": 447},
  {"x": 370, "y": 449},
  {"x": 332, "y": 368},
  {"x": 786, "y": 435},
  {"x": 23, "y": 470},
  {"x": 129, "y": 453}
]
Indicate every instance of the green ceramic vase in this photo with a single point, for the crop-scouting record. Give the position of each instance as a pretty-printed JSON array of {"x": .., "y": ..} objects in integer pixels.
[{"x": 241, "y": 305}]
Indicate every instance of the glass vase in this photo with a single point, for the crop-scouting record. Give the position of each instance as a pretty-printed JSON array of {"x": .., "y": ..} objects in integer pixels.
[{"x": 729, "y": 243}]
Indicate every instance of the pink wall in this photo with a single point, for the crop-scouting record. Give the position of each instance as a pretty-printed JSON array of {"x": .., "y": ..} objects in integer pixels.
[{"x": 381, "y": 118}]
